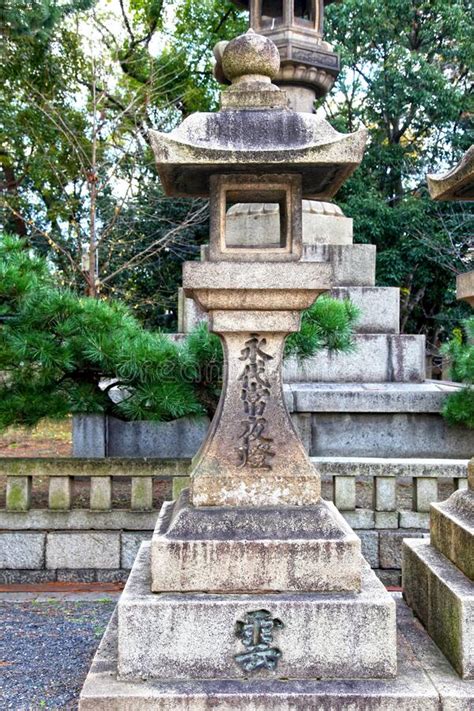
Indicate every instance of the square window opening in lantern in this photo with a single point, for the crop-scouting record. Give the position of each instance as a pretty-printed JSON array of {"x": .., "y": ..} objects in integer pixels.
[{"x": 251, "y": 216}]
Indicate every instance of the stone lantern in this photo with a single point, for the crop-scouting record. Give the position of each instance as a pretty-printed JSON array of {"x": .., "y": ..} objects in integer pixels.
[
  {"x": 309, "y": 66},
  {"x": 253, "y": 593}
]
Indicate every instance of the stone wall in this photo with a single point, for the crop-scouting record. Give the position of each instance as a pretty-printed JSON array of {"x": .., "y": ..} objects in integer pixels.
[{"x": 67, "y": 537}]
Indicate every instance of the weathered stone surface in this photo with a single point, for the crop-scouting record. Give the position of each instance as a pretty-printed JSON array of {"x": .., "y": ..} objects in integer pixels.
[
  {"x": 391, "y": 547},
  {"x": 205, "y": 144},
  {"x": 379, "y": 358},
  {"x": 385, "y": 493},
  {"x": 77, "y": 519},
  {"x": 443, "y": 598},
  {"x": 414, "y": 519},
  {"x": 251, "y": 550},
  {"x": 345, "y": 493},
  {"x": 390, "y": 578},
  {"x": 87, "y": 575},
  {"x": 424, "y": 493},
  {"x": 383, "y": 398},
  {"x": 65, "y": 466},
  {"x": 394, "y": 467},
  {"x": 379, "y": 306},
  {"x": 10, "y": 576},
  {"x": 252, "y": 455},
  {"x": 397, "y": 436},
  {"x": 83, "y": 550},
  {"x": 101, "y": 493},
  {"x": 386, "y": 519},
  {"x": 425, "y": 682},
  {"x": 370, "y": 547},
  {"x": 141, "y": 498},
  {"x": 351, "y": 265},
  {"x": 456, "y": 184},
  {"x": 18, "y": 496},
  {"x": 112, "y": 576},
  {"x": 361, "y": 518},
  {"x": 192, "y": 636},
  {"x": 59, "y": 493},
  {"x": 178, "y": 439},
  {"x": 22, "y": 550},
  {"x": 131, "y": 542},
  {"x": 89, "y": 436},
  {"x": 452, "y": 530}
]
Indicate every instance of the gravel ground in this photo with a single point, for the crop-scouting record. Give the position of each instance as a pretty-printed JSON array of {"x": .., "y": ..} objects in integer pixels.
[{"x": 46, "y": 648}]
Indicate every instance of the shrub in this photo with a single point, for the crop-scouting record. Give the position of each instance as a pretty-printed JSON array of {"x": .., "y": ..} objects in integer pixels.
[
  {"x": 61, "y": 353},
  {"x": 459, "y": 407}
]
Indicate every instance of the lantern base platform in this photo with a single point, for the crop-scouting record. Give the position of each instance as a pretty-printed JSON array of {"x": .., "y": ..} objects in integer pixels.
[
  {"x": 425, "y": 682},
  {"x": 194, "y": 635},
  {"x": 254, "y": 550}
]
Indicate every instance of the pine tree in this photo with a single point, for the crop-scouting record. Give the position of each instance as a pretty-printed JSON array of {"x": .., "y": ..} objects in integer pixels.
[
  {"x": 459, "y": 407},
  {"x": 62, "y": 354}
]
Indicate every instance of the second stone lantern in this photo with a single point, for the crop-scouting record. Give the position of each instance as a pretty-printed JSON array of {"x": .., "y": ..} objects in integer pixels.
[{"x": 309, "y": 66}]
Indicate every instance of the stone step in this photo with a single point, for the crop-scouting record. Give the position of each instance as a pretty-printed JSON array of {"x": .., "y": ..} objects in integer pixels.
[
  {"x": 353, "y": 264},
  {"x": 376, "y": 358},
  {"x": 452, "y": 530},
  {"x": 442, "y": 597},
  {"x": 379, "y": 306},
  {"x": 427, "y": 397}
]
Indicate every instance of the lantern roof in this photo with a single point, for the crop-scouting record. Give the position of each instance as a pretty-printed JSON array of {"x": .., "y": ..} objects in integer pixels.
[
  {"x": 458, "y": 183},
  {"x": 255, "y": 132}
]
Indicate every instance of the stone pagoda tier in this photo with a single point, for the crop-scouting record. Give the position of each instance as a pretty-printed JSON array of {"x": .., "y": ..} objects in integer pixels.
[
  {"x": 375, "y": 401},
  {"x": 438, "y": 574},
  {"x": 253, "y": 593}
]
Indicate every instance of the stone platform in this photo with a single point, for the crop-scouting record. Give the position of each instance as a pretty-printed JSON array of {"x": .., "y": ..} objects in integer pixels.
[
  {"x": 425, "y": 682},
  {"x": 291, "y": 549},
  {"x": 192, "y": 635}
]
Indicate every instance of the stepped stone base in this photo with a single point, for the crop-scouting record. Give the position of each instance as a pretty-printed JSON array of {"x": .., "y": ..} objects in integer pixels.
[
  {"x": 443, "y": 598},
  {"x": 192, "y": 635},
  {"x": 377, "y": 358},
  {"x": 228, "y": 550},
  {"x": 452, "y": 530},
  {"x": 425, "y": 682}
]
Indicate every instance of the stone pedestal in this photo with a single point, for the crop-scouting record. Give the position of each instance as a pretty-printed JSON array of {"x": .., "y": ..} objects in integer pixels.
[
  {"x": 173, "y": 636},
  {"x": 438, "y": 578}
]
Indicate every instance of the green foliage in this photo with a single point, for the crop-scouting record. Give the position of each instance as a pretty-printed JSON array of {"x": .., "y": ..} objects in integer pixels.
[
  {"x": 62, "y": 354},
  {"x": 406, "y": 79},
  {"x": 459, "y": 407},
  {"x": 328, "y": 323}
]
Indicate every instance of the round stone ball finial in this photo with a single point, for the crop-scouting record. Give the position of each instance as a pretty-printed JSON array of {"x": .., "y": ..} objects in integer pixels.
[{"x": 250, "y": 55}]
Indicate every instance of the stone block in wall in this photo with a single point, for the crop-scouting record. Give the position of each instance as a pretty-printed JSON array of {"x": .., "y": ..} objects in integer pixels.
[
  {"x": 379, "y": 306},
  {"x": 89, "y": 436},
  {"x": 22, "y": 550},
  {"x": 81, "y": 575},
  {"x": 131, "y": 542},
  {"x": 414, "y": 519},
  {"x": 112, "y": 576},
  {"x": 360, "y": 518},
  {"x": 370, "y": 547},
  {"x": 377, "y": 358},
  {"x": 390, "y": 547},
  {"x": 179, "y": 439},
  {"x": 386, "y": 519},
  {"x": 385, "y": 493},
  {"x": 26, "y": 577},
  {"x": 83, "y": 550}
]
